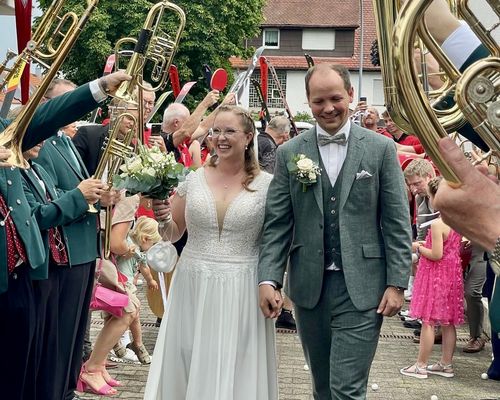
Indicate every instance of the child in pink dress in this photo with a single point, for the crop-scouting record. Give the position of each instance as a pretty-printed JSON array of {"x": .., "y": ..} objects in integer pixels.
[{"x": 437, "y": 295}]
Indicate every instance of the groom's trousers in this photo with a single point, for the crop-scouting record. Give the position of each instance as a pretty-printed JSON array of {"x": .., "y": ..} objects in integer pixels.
[{"x": 339, "y": 341}]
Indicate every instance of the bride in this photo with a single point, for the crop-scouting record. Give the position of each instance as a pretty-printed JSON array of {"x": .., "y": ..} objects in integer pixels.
[{"x": 214, "y": 343}]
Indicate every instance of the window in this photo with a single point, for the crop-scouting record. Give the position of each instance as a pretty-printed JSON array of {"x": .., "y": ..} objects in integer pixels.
[
  {"x": 271, "y": 38},
  {"x": 273, "y": 96},
  {"x": 318, "y": 39}
]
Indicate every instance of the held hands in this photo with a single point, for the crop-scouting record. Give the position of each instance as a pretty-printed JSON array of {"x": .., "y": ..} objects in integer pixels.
[
  {"x": 271, "y": 301},
  {"x": 4, "y": 156},
  {"x": 391, "y": 302},
  {"x": 92, "y": 190}
]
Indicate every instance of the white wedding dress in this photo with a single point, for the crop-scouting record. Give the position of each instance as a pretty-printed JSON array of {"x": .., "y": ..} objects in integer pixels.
[{"x": 214, "y": 343}]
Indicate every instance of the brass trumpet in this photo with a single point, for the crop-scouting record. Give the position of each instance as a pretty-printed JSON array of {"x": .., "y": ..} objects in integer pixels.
[
  {"x": 115, "y": 150},
  {"x": 476, "y": 90},
  {"x": 43, "y": 46}
]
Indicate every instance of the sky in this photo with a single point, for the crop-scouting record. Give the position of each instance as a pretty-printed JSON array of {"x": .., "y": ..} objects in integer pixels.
[{"x": 8, "y": 31}]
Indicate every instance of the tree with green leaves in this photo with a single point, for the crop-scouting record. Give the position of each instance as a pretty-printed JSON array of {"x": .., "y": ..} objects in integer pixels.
[{"x": 215, "y": 30}]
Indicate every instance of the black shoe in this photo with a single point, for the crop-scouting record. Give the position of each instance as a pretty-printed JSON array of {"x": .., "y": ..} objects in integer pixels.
[
  {"x": 412, "y": 324},
  {"x": 416, "y": 332},
  {"x": 158, "y": 322},
  {"x": 286, "y": 321}
]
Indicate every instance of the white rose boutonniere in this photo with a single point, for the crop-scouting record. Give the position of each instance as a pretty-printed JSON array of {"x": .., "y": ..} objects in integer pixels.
[{"x": 305, "y": 170}]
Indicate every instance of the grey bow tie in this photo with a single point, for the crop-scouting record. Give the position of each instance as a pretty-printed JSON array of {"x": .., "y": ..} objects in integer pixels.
[{"x": 340, "y": 138}]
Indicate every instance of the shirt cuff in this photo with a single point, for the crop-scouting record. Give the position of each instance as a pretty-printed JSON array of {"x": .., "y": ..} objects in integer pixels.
[
  {"x": 272, "y": 283},
  {"x": 460, "y": 45},
  {"x": 97, "y": 93}
]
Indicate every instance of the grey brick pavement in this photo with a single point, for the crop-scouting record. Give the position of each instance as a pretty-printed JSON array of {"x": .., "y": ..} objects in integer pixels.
[{"x": 395, "y": 351}]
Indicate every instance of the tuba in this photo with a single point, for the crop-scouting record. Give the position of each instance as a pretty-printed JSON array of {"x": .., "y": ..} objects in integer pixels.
[
  {"x": 50, "y": 48},
  {"x": 476, "y": 91},
  {"x": 153, "y": 49}
]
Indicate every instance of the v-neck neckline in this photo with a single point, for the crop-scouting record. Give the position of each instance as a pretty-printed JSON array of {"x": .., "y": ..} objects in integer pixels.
[{"x": 214, "y": 201}]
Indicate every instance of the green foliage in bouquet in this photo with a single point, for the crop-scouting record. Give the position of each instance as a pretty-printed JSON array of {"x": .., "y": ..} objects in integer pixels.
[{"x": 150, "y": 172}]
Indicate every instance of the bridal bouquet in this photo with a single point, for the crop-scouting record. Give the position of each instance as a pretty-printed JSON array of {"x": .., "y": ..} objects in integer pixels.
[{"x": 150, "y": 172}]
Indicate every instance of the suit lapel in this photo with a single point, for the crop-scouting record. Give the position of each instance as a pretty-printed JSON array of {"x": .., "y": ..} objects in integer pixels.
[
  {"x": 309, "y": 147},
  {"x": 353, "y": 158},
  {"x": 59, "y": 146},
  {"x": 35, "y": 184},
  {"x": 79, "y": 158},
  {"x": 49, "y": 184}
]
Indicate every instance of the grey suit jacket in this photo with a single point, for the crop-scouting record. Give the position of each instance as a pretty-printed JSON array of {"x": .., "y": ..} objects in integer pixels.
[{"x": 374, "y": 222}]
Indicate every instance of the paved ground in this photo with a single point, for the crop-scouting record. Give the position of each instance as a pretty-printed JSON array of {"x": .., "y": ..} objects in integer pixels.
[{"x": 395, "y": 351}]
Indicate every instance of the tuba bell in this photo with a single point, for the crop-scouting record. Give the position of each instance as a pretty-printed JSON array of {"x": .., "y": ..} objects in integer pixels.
[{"x": 476, "y": 91}]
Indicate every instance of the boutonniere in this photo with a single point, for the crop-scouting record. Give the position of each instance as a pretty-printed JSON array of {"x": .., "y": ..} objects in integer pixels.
[{"x": 305, "y": 170}]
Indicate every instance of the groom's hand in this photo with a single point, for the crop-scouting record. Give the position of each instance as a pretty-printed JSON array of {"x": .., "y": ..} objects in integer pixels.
[
  {"x": 270, "y": 301},
  {"x": 392, "y": 302}
]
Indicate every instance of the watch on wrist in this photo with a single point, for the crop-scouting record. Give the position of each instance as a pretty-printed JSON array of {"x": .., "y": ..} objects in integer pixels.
[
  {"x": 399, "y": 288},
  {"x": 103, "y": 84}
]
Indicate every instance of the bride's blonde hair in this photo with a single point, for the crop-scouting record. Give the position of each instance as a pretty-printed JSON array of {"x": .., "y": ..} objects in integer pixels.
[{"x": 252, "y": 168}]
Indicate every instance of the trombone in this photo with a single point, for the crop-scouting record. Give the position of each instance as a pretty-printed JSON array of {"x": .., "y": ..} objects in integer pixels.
[{"x": 44, "y": 46}]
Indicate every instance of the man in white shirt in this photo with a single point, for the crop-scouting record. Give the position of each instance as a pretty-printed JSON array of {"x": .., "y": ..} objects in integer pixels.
[{"x": 347, "y": 233}]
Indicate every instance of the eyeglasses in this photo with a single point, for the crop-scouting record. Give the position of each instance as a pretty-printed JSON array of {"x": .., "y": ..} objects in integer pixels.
[
  {"x": 228, "y": 132},
  {"x": 149, "y": 103}
]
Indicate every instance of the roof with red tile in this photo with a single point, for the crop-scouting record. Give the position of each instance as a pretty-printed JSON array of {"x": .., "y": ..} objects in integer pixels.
[
  {"x": 349, "y": 11},
  {"x": 311, "y": 13},
  {"x": 34, "y": 82}
]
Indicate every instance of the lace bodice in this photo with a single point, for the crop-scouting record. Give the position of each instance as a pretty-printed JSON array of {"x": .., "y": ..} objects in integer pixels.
[{"x": 242, "y": 227}]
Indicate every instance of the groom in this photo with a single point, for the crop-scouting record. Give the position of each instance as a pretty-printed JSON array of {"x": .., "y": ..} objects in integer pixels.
[{"x": 348, "y": 238}]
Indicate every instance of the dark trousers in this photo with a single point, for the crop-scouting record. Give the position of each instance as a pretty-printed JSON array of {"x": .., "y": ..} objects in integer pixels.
[
  {"x": 75, "y": 289},
  {"x": 339, "y": 341},
  {"x": 494, "y": 369},
  {"x": 17, "y": 336},
  {"x": 47, "y": 351}
]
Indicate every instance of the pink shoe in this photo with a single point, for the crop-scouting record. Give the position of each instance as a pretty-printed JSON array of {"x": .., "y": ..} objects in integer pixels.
[
  {"x": 110, "y": 381},
  {"x": 84, "y": 386}
]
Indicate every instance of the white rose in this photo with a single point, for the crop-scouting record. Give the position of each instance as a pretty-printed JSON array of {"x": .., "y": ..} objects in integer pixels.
[
  {"x": 134, "y": 166},
  {"x": 149, "y": 171},
  {"x": 157, "y": 157},
  {"x": 305, "y": 164},
  {"x": 312, "y": 176}
]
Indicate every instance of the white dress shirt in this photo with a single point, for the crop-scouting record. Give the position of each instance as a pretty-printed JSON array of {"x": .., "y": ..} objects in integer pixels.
[{"x": 333, "y": 154}]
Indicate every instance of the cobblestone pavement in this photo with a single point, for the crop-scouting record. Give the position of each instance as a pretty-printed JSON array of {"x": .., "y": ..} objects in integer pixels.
[{"x": 395, "y": 350}]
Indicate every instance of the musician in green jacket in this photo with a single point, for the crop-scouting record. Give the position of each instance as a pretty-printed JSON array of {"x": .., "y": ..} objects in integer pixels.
[{"x": 23, "y": 252}]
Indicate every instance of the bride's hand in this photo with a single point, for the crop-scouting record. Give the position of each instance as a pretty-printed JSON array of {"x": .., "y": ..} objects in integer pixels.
[
  {"x": 270, "y": 301},
  {"x": 161, "y": 209}
]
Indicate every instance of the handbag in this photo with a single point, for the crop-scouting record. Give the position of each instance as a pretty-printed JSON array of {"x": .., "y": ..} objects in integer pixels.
[{"x": 105, "y": 299}]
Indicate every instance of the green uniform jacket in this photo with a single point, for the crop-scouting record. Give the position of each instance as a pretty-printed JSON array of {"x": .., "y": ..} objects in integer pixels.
[
  {"x": 80, "y": 235},
  {"x": 48, "y": 118},
  {"x": 374, "y": 222},
  {"x": 61, "y": 210}
]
